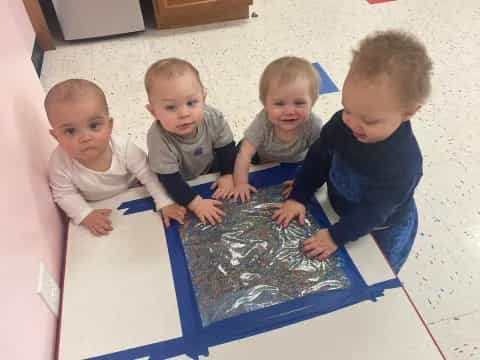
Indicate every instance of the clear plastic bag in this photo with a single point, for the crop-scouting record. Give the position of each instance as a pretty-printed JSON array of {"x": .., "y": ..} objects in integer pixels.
[{"x": 248, "y": 262}]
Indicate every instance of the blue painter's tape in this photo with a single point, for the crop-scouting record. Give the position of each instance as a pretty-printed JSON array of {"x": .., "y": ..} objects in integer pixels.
[
  {"x": 187, "y": 304},
  {"x": 137, "y": 205},
  {"x": 160, "y": 350},
  {"x": 197, "y": 339},
  {"x": 260, "y": 179},
  {"x": 328, "y": 86}
]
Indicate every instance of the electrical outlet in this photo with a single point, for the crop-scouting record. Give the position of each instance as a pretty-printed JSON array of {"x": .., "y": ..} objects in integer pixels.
[{"x": 48, "y": 289}]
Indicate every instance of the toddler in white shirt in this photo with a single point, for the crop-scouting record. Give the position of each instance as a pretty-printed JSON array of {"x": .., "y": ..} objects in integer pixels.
[{"x": 89, "y": 163}]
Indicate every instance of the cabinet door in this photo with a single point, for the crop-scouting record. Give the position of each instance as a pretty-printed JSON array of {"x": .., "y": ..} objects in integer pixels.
[{"x": 175, "y": 13}]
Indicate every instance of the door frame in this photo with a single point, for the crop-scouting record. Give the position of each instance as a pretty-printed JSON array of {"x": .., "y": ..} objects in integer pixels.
[{"x": 39, "y": 24}]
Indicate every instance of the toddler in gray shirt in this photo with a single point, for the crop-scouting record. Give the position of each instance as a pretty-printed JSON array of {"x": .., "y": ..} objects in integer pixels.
[
  {"x": 285, "y": 128},
  {"x": 188, "y": 138}
]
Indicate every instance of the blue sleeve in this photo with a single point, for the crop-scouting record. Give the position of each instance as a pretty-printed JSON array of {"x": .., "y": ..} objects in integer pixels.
[
  {"x": 177, "y": 188},
  {"x": 226, "y": 158},
  {"x": 315, "y": 168},
  {"x": 381, "y": 200}
]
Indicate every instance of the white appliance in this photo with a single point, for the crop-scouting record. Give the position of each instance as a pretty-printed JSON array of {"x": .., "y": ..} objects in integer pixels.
[{"x": 80, "y": 19}]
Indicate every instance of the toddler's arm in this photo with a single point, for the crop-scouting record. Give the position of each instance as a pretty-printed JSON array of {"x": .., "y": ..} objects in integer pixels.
[
  {"x": 224, "y": 185},
  {"x": 137, "y": 163},
  {"x": 311, "y": 176},
  {"x": 66, "y": 194},
  {"x": 240, "y": 173},
  {"x": 379, "y": 202},
  {"x": 225, "y": 152},
  {"x": 313, "y": 173}
]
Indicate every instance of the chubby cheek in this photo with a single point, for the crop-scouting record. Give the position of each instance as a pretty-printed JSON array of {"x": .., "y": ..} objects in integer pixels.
[
  {"x": 160, "y": 115},
  {"x": 164, "y": 123},
  {"x": 197, "y": 115},
  {"x": 377, "y": 135},
  {"x": 105, "y": 137},
  {"x": 347, "y": 120},
  {"x": 274, "y": 115},
  {"x": 66, "y": 144},
  {"x": 71, "y": 148},
  {"x": 303, "y": 114}
]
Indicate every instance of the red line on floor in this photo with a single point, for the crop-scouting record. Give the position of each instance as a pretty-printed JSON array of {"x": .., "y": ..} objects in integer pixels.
[{"x": 371, "y": 2}]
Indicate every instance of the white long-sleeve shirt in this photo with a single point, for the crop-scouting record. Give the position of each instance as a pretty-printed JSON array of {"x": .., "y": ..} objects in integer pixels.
[{"x": 74, "y": 184}]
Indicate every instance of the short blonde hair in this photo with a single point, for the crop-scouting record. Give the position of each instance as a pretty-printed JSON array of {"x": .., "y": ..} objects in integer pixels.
[
  {"x": 286, "y": 70},
  {"x": 73, "y": 90},
  {"x": 168, "y": 68},
  {"x": 402, "y": 58}
]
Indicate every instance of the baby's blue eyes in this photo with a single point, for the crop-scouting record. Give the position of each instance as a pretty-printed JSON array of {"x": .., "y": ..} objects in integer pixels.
[
  {"x": 296, "y": 103},
  {"x": 190, "y": 103}
]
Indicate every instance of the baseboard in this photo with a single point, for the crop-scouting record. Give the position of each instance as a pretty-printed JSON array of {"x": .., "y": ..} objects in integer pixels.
[{"x": 37, "y": 57}]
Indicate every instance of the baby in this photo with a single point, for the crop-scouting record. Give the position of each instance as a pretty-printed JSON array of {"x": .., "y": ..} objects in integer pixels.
[
  {"x": 90, "y": 164},
  {"x": 367, "y": 153},
  {"x": 286, "y": 127},
  {"x": 188, "y": 138}
]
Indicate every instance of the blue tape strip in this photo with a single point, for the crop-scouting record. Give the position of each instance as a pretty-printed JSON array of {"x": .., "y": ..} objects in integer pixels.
[
  {"x": 196, "y": 340},
  {"x": 259, "y": 179},
  {"x": 328, "y": 86},
  {"x": 137, "y": 205},
  {"x": 187, "y": 304},
  {"x": 160, "y": 350}
]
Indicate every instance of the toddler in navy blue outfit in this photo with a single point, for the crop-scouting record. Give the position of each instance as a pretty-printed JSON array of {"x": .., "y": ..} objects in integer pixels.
[{"x": 367, "y": 153}]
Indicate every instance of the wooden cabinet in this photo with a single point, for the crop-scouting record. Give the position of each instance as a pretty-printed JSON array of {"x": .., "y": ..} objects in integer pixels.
[{"x": 176, "y": 13}]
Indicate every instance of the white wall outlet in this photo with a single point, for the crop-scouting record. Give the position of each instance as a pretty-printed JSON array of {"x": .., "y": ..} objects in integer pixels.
[{"x": 48, "y": 289}]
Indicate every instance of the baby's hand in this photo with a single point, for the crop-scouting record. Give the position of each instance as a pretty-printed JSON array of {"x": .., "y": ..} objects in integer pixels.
[
  {"x": 242, "y": 192},
  {"x": 320, "y": 245},
  {"x": 224, "y": 185},
  {"x": 287, "y": 188},
  {"x": 207, "y": 210},
  {"x": 98, "y": 222},
  {"x": 288, "y": 211},
  {"x": 173, "y": 212}
]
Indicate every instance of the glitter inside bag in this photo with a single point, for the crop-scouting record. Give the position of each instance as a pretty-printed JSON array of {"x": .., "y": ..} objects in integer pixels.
[{"x": 248, "y": 262}]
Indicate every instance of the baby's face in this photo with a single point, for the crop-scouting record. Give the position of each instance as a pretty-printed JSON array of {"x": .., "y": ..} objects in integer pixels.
[
  {"x": 82, "y": 128},
  {"x": 288, "y": 105},
  {"x": 178, "y": 103},
  {"x": 371, "y": 108}
]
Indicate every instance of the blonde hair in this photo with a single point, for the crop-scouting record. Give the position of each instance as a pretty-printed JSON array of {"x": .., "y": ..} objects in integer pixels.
[
  {"x": 72, "y": 90},
  {"x": 286, "y": 70},
  {"x": 169, "y": 68},
  {"x": 402, "y": 58}
]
